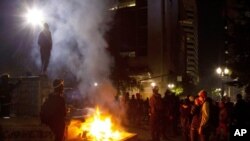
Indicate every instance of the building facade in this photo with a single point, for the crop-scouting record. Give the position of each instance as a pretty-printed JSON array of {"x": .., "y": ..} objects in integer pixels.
[
  {"x": 236, "y": 51},
  {"x": 189, "y": 33},
  {"x": 159, "y": 38}
]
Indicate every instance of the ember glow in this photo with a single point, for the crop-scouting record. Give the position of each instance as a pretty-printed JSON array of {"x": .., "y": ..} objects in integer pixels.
[{"x": 97, "y": 127}]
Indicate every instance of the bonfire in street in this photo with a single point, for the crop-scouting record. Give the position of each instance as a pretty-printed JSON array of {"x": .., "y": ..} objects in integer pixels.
[{"x": 96, "y": 127}]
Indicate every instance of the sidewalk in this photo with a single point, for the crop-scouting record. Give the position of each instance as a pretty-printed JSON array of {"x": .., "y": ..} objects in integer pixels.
[
  {"x": 27, "y": 129},
  {"x": 24, "y": 129},
  {"x": 143, "y": 134}
]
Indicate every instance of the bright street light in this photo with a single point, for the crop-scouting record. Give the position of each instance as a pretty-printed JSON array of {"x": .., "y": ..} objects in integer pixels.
[
  {"x": 153, "y": 84},
  {"x": 34, "y": 16},
  {"x": 218, "y": 70},
  {"x": 171, "y": 85},
  {"x": 222, "y": 71},
  {"x": 226, "y": 71},
  {"x": 95, "y": 84}
]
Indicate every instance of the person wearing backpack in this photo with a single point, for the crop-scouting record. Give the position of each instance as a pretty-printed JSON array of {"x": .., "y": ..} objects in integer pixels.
[{"x": 53, "y": 111}]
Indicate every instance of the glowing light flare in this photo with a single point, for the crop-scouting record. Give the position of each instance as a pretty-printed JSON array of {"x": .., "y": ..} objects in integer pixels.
[
  {"x": 153, "y": 84},
  {"x": 219, "y": 70},
  {"x": 226, "y": 71},
  {"x": 95, "y": 84},
  {"x": 97, "y": 127},
  {"x": 222, "y": 71},
  {"x": 171, "y": 86},
  {"x": 34, "y": 16}
]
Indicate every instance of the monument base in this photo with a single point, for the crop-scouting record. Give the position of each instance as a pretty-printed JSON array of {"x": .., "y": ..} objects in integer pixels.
[{"x": 24, "y": 129}]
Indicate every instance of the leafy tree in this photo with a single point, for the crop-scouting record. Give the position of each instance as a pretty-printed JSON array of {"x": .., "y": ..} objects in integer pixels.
[{"x": 237, "y": 41}]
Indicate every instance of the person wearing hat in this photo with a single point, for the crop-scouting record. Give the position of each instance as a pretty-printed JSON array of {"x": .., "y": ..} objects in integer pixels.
[
  {"x": 156, "y": 109},
  {"x": 53, "y": 110},
  {"x": 6, "y": 89}
]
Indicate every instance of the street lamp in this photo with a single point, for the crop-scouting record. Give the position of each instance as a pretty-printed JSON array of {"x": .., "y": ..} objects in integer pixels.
[
  {"x": 222, "y": 72},
  {"x": 171, "y": 85},
  {"x": 95, "y": 84},
  {"x": 34, "y": 16},
  {"x": 153, "y": 84}
]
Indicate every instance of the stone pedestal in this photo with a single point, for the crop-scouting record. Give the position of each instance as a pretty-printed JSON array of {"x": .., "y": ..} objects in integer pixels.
[
  {"x": 24, "y": 123},
  {"x": 28, "y": 97}
]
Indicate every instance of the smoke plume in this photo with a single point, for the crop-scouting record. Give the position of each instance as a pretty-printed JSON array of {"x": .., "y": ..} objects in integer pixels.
[{"x": 79, "y": 48}]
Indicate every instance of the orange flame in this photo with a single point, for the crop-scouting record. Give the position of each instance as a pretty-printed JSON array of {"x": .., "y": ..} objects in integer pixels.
[{"x": 97, "y": 127}]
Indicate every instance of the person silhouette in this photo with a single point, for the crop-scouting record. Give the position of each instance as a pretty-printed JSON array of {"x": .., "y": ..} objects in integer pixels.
[{"x": 45, "y": 43}]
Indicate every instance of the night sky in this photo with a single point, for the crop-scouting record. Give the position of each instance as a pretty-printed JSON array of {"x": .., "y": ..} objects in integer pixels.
[
  {"x": 210, "y": 37},
  {"x": 15, "y": 38},
  {"x": 210, "y": 40}
]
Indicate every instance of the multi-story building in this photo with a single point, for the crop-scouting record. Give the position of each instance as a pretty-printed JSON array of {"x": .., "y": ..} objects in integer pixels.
[
  {"x": 160, "y": 39},
  {"x": 237, "y": 41},
  {"x": 189, "y": 33}
]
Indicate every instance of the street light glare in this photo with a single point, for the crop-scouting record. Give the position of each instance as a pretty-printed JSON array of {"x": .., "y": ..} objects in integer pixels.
[
  {"x": 218, "y": 70},
  {"x": 222, "y": 71},
  {"x": 153, "y": 84},
  {"x": 226, "y": 71},
  {"x": 34, "y": 16},
  {"x": 171, "y": 86},
  {"x": 95, "y": 84}
]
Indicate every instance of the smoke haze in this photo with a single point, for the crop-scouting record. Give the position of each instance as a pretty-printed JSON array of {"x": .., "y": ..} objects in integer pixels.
[{"x": 79, "y": 48}]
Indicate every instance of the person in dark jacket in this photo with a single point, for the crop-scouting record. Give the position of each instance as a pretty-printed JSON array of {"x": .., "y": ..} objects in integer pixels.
[
  {"x": 240, "y": 111},
  {"x": 185, "y": 108},
  {"x": 53, "y": 111},
  {"x": 45, "y": 43},
  {"x": 156, "y": 109}
]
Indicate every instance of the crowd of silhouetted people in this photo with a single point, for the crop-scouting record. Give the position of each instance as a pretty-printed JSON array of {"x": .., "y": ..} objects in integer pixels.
[{"x": 196, "y": 118}]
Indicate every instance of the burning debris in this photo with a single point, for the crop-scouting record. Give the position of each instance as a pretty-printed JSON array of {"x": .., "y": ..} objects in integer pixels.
[{"x": 96, "y": 127}]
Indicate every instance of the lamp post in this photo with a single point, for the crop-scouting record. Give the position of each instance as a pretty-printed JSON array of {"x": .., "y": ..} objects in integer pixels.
[
  {"x": 171, "y": 85},
  {"x": 222, "y": 72}
]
